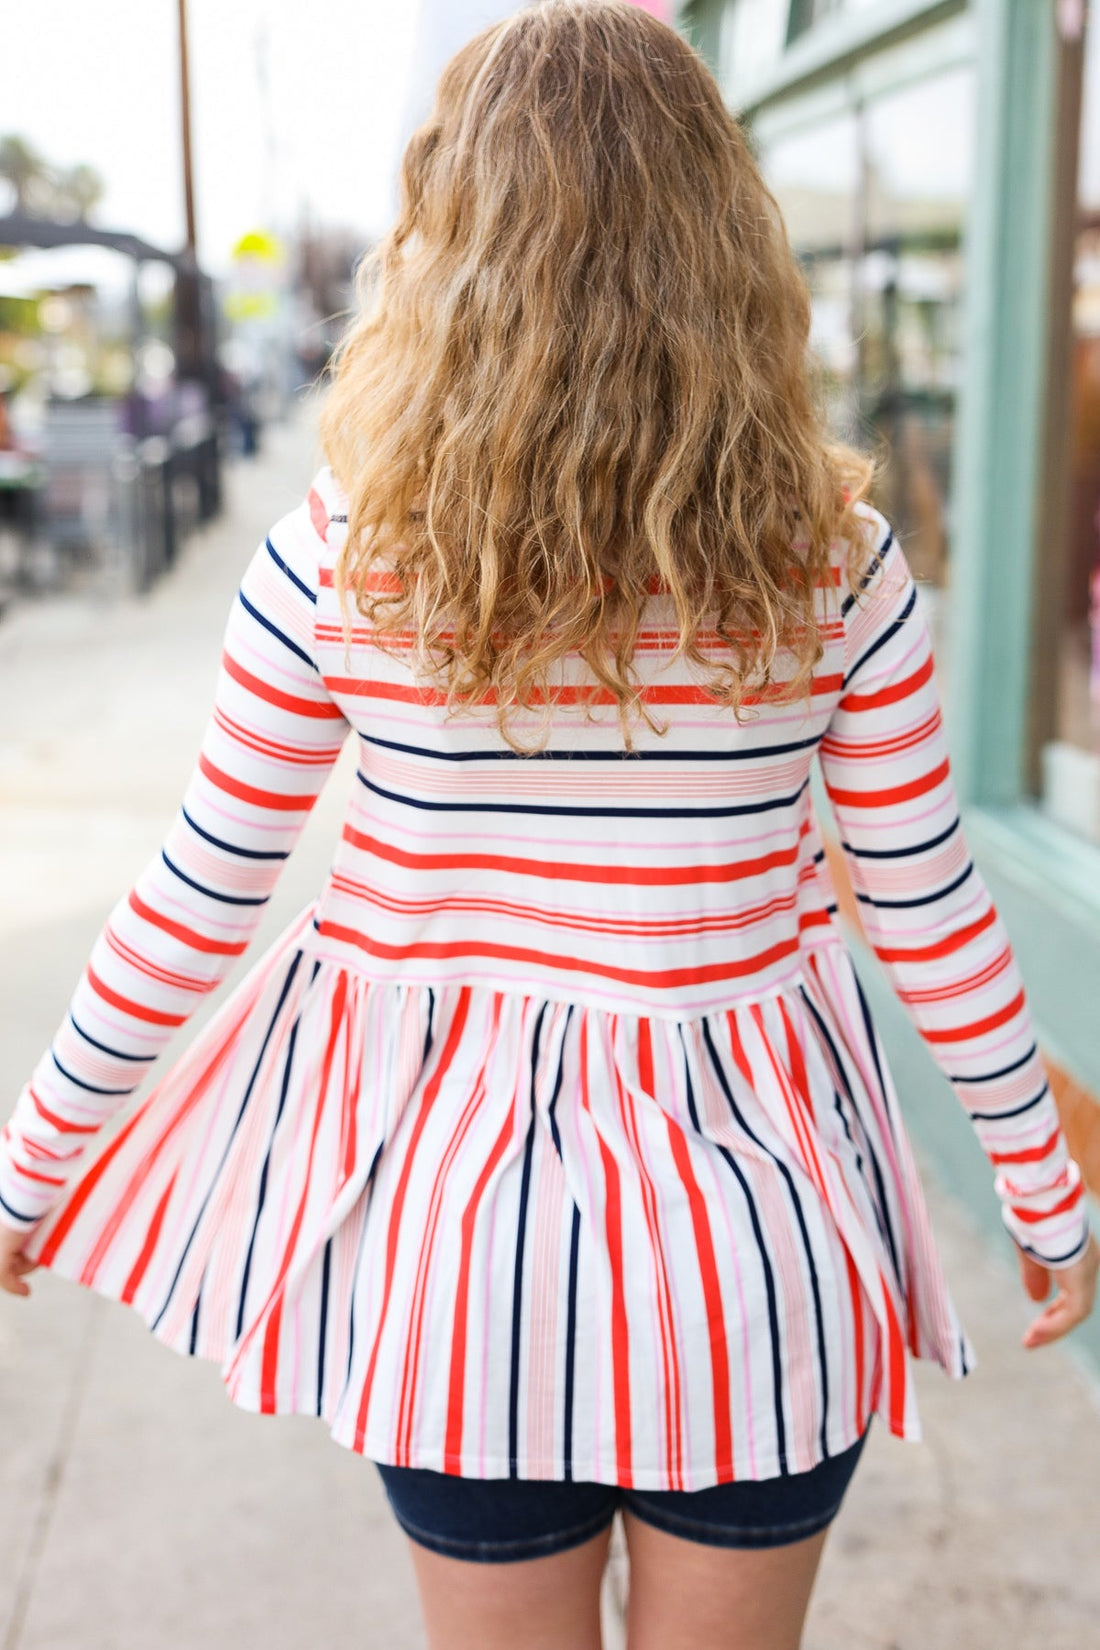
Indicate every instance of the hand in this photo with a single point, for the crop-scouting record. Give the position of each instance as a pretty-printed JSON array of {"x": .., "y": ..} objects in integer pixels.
[
  {"x": 14, "y": 1264},
  {"x": 1074, "y": 1300}
]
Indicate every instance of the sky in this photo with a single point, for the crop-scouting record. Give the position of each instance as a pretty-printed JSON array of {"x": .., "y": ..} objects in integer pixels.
[{"x": 292, "y": 103}]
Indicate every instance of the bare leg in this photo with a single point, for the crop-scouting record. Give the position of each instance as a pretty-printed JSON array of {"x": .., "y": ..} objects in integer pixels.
[
  {"x": 550, "y": 1603},
  {"x": 687, "y": 1596}
]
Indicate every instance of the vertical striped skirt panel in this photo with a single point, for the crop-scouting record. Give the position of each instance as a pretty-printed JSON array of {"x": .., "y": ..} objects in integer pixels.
[{"x": 496, "y": 1235}]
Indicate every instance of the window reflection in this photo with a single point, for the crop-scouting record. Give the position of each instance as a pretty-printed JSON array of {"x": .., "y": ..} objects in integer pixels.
[
  {"x": 875, "y": 203},
  {"x": 1071, "y": 761}
]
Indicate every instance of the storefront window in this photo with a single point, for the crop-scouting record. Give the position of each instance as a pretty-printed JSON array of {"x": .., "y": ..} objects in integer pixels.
[
  {"x": 1071, "y": 760},
  {"x": 875, "y": 202}
]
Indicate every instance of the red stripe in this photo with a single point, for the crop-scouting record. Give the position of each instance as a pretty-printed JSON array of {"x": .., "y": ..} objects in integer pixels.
[
  {"x": 275, "y": 800},
  {"x": 1031, "y": 1216},
  {"x": 322, "y": 709},
  {"x": 318, "y": 514},
  {"x": 275, "y": 750},
  {"x": 430, "y": 1094},
  {"x": 555, "y": 917},
  {"x": 61, "y": 1124},
  {"x": 486, "y": 949},
  {"x": 137, "y": 1011},
  {"x": 942, "y": 948},
  {"x": 410, "y": 1371},
  {"x": 978, "y": 1028},
  {"x": 270, "y": 1357},
  {"x": 364, "y": 687},
  {"x": 138, "y": 1270},
  {"x": 40, "y": 1179},
  {"x": 86, "y": 1185},
  {"x": 189, "y": 936},
  {"x": 712, "y": 1295},
  {"x": 855, "y": 1291},
  {"x": 452, "y": 1447},
  {"x": 895, "y": 1359},
  {"x": 645, "y": 876},
  {"x": 620, "y": 1333},
  {"x": 890, "y": 695},
  {"x": 894, "y": 793},
  {"x": 669, "y": 1362},
  {"x": 1029, "y": 1154}
]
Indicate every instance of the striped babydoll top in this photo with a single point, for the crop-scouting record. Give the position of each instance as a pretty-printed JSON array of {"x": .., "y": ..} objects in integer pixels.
[{"x": 553, "y": 1139}]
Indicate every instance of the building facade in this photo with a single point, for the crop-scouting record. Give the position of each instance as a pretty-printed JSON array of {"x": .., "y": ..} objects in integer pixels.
[{"x": 938, "y": 166}]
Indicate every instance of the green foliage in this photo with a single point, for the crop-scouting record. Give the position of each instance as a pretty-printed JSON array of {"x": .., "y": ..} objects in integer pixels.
[{"x": 44, "y": 190}]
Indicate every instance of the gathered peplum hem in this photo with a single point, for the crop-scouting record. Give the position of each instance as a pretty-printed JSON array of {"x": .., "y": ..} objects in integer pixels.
[{"x": 436, "y": 1218}]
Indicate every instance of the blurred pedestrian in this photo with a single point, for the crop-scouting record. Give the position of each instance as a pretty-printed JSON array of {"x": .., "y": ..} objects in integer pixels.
[{"x": 550, "y": 1155}]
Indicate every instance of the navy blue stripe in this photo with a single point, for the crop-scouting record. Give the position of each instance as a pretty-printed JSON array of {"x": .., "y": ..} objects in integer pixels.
[
  {"x": 369, "y": 1184},
  {"x": 570, "y": 1346},
  {"x": 872, "y": 569},
  {"x": 194, "y": 1338},
  {"x": 884, "y": 636},
  {"x": 293, "y": 969},
  {"x": 322, "y": 1330},
  {"x": 517, "y": 1303},
  {"x": 229, "y": 847},
  {"x": 1003, "y": 1071},
  {"x": 275, "y": 631},
  {"x": 90, "y": 1087},
  {"x": 143, "y": 1059},
  {"x": 924, "y": 899},
  {"x": 758, "y": 1233},
  {"x": 877, "y": 1192},
  {"x": 1052, "y": 1260},
  {"x": 1013, "y": 1111},
  {"x": 904, "y": 853},
  {"x": 261, "y": 1193},
  {"x": 517, "y": 1274},
  {"x": 310, "y": 595},
  {"x": 872, "y": 1044},
  {"x": 17, "y": 1214},
  {"x": 224, "y": 899},
  {"x": 746, "y": 755},
  {"x": 771, "y": 806}
]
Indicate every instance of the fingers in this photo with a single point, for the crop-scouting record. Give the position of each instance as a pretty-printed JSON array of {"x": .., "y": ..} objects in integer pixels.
[
  {"x": 1063, "y": 1314},
  {"x": 12, "y": 1284},
  {"x": 1036, "y": 1278}
]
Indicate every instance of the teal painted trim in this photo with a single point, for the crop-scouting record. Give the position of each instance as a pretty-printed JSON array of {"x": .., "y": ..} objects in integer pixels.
[
  {"x": 1000, "y": 424},
  {"x": 1046, "y": 885},
  {"x": 701, "y": 22},
  {"x": 944, "y": 1138},
  {"x": 835, "y": 44},
  {"x": 937, "y": 50}
]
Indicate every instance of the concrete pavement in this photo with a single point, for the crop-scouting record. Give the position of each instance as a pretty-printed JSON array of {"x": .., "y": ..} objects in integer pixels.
[{"x": 139, "y": 1510}]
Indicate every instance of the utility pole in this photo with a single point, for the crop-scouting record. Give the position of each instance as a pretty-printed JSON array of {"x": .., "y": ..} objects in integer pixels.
[
  {"x": 185, "y": 131},
  {"x": 191, "y": 355}
]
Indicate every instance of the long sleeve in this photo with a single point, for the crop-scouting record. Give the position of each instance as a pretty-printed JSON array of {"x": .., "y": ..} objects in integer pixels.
[
  {"x": 928, "y": 914},
  {"x": 271, "y": 741}
]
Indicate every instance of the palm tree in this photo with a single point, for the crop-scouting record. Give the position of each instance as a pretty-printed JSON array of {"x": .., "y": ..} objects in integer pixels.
[
  {"x": 25, "y": 170},
  {"x": 78, "y": 190}
]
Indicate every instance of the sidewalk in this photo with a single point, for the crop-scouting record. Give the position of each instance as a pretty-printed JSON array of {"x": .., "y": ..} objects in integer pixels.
[{"x": 139, "y": 1510}]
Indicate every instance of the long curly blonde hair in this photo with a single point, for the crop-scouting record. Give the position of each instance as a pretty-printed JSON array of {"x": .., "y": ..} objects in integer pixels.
[{"x": 581, "y": 375}]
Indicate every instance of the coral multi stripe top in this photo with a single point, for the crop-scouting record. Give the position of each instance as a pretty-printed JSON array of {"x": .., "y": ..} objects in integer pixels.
[{"x": 554, "y": 1138}]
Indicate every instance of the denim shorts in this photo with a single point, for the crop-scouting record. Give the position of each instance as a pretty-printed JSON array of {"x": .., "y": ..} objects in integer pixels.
[{"x": 498, "y": 1520}]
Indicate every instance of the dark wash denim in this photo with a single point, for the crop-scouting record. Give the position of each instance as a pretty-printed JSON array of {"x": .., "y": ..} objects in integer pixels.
[{"x": 498, "y": 1520}]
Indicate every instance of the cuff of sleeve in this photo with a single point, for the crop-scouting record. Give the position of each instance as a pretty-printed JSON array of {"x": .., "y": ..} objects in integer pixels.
[
  {"x": 14, "y": 1219},
  {"x": 1056, "y": 1251}
]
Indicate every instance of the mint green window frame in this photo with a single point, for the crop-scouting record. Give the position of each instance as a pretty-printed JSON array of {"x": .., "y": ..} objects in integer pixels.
[{"x": 1045, "y": 881}]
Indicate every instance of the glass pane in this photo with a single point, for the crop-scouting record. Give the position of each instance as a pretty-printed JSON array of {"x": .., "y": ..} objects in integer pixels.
[
  {"x": 1071, "y": 762},
  {"x": 876, "y": 202}
]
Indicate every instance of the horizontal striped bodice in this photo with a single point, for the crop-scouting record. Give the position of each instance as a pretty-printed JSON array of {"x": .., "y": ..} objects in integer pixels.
[{"x": 670, "y": 877}]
